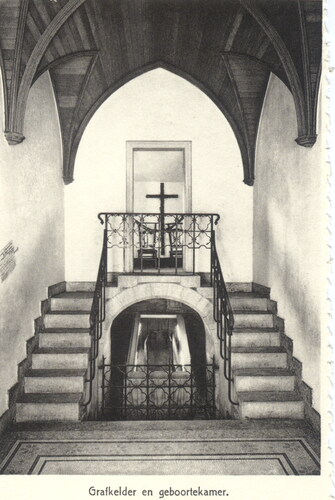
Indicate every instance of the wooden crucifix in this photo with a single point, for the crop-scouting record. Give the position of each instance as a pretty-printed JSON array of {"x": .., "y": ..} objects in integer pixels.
[{"x": 162, "y": 197}]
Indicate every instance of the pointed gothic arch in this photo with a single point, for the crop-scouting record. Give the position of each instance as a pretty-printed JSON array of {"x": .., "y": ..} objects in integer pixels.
[{"x": 70, "y": 161}]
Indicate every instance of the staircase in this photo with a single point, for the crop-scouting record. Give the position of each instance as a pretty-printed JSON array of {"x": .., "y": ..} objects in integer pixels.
[
  {"x": 54, "y": 384},
  {"x": 264, "y": 385}
]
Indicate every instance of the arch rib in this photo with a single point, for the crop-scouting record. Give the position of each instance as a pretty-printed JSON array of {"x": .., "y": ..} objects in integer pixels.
[
  {"x": 34, "y": 60},
  {"x": 4, "y": 84},
  {"x": 303, "y": 138}
]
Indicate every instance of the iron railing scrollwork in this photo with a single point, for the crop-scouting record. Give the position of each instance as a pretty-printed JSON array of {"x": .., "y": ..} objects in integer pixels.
[
  {"x": 97, "y": 317},
  {"x": 158, "y": 241},
  {"x": 155, "y": 392},
  {"x": 223, "y": 316}
]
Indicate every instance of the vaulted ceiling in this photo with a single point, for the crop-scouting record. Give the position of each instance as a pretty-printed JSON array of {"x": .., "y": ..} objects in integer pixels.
[{"x": 228, "y": 48}]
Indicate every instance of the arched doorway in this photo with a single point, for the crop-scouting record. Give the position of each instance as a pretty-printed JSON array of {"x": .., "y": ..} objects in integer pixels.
[{"x": 158, "y": 365}]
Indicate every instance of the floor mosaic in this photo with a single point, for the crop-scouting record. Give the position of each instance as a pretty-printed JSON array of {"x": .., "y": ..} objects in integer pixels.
[{"x": 118, "y": 448}]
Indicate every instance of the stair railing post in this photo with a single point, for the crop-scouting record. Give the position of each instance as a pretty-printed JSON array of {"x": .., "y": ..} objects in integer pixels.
[
  {"x": 211, "y": 249},
  {"x": 97, "y": 314},
  {"x": 169, "y": 388},
  {"x": 192, "y": 395},
  {"x": 148, "y": 390},
  {"x": 213, "y": 387},
  {"x": 124, "y": 241},
  {"x": 226, "y": 354},
  {"x": 103, "y": 387},
  {"x": 223, "y": 316},
  {"x": 176, "y": 218}
]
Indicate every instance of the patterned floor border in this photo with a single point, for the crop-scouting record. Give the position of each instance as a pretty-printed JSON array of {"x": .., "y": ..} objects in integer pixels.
[{"x": 245, "y": 456}]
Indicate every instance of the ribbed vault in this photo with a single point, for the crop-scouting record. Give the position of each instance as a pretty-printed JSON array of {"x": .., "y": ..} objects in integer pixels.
[{"x": 226, "y": 47}]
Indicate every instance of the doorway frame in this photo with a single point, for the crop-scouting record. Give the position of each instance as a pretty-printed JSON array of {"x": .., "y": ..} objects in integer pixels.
[{"x": 186, "y": 148}]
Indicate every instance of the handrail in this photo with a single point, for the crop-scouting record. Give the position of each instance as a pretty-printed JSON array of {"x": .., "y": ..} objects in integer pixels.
[
  {"x": 223, "y": 316},
  {"x": 97, "y": 317},
  {"x": 187, "y": 233},
  {"x": 178, "y": 214}
]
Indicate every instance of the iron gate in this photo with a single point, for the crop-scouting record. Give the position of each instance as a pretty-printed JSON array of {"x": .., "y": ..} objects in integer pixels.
[{"x": 158, "y": 392}]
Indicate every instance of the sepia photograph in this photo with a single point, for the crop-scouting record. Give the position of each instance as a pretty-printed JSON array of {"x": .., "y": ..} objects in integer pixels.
[{"x": 164, "y": 246}]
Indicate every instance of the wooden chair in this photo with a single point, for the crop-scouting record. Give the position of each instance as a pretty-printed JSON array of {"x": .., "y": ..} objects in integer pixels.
[
  {"x": 147, "y": 234},
  {"x": 175, "y": 232}
]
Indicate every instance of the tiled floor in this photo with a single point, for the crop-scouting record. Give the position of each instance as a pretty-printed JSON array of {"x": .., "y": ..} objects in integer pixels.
[{"x": 194, "y": 447}]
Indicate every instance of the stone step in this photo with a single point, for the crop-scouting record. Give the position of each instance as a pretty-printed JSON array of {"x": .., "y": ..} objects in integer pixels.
[
  {"x": 263, "y": 379},
  {"x": 65, "y": 338},
  {"x": 48, "y": 407},
  {"x": 80, "y": 286},
  {"x": 76, "y": 301},
  {"x": 175, "y": 429},
  {"x": 54, "y": 381},
  {"x": 67, "y": 319},
  {"x": 271, "y": 405},
  {"x": 253, "y": 320},
  {"x": 74, "y": 295},
  {"x": 56, "y": 358},
  {"x": 255, "y": 337},
  {"x": 262, "y": 357},
  {"x": 250, "y": 303},
  {"x": 245, "y": 299},
  {"x": 130, "y": 280},
  {"x": 232, "y": 287},
  {"x": 241, "y": 287}
]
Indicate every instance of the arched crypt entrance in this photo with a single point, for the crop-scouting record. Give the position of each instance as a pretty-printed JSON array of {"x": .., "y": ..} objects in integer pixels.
[{"x": 159, "y": 367}]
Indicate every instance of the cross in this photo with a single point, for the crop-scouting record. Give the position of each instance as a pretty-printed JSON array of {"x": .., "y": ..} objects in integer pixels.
[{"x": 162, "y": 197}]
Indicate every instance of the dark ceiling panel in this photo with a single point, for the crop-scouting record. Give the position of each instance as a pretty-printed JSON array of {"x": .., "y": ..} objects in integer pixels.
[
  {"x": 249, "y": 79},
  {"x": 9, "y": 18},
  {"x": 187, "y": 37},
  {"x": 68, "y": 79},
  {"x": 278, "y": 14}
]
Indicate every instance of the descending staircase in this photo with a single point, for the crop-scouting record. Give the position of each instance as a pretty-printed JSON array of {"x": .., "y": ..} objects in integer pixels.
[{"x": 265, "y": 386}]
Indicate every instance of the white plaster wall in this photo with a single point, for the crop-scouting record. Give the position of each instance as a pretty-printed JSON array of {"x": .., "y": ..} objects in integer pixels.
[
  {"x": 289, "y": 228},
  {"x": 32, "y": 216},
  {"x": 158, "y": 106}
]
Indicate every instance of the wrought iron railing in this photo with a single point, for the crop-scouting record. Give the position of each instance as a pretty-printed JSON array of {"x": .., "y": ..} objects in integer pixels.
[
  {"x": 144, "y": 234},
  {"x": 158, "y": 392},
  {"x": 97, "y": 317},
  {"x": 174, "y": 241},
  {"x": 223, "y": 316}
]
